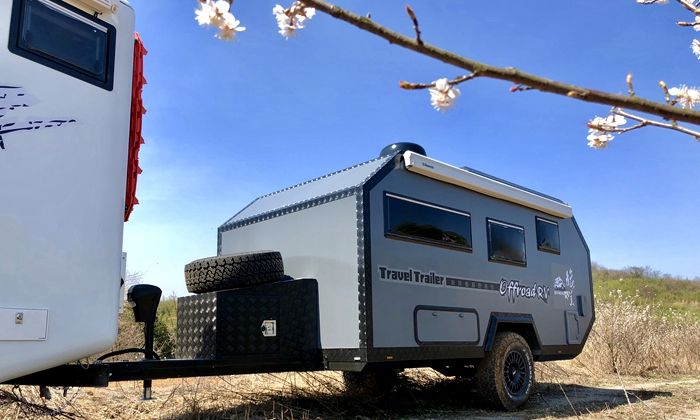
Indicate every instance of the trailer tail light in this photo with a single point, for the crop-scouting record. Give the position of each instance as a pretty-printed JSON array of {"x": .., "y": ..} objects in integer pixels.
[{"x": 135, "y": 138}]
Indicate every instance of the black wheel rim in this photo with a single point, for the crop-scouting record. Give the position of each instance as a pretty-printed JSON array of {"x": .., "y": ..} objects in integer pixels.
[{"x": 516, "y": 374}]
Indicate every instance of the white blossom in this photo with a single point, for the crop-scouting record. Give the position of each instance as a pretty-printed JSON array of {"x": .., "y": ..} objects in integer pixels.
[
  {"x": 599, "y": 129},
  {"x": 687, "y": 97},
  {"x": 695, "y": 46},
  {"x": 610, "y": 123},
  {"x": 217, "y": 14},
  {"x": 231, "y": 26},
  {"x": 205, "y": 13},
  {"x": 443, "y": 95},
  {"x": 598, "y": 139},
  {"x": 222, "y": 6},
  {"x": 696, "y": 26},
  {"x": 292, "y": 19}
]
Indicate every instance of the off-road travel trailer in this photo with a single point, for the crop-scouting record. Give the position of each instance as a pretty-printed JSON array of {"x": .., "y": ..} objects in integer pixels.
[
  {"x": 401, "y": 261},
  {"x": 407, "y": 261},
  {"x": 69, "y": 121}
]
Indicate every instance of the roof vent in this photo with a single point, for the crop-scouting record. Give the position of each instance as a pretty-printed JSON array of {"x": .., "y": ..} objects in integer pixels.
[{"x": 402, "y": 147}]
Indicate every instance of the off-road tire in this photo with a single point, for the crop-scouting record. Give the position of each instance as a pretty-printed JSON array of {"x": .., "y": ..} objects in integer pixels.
[
  {"x": 506, "y": 376},
  {"x": 371, "y": 382},
  {"x": 233, "y": 271}
]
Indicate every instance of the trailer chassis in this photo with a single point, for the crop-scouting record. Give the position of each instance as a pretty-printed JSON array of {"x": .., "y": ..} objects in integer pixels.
[{"x": 102, "y": 373}]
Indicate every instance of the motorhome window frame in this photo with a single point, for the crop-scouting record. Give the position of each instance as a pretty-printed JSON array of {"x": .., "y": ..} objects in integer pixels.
[
  {"x": 18, "y": 7},
  {"x": 501, "y": 260},
  {"x": 551, "y": 250},
  {"x": 425, "y": 241}
]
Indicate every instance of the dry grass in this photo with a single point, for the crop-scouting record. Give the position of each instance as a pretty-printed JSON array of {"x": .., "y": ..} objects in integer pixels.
[
  {"x": 421, "y": 393},
  {"x": 639, "y": 340}
]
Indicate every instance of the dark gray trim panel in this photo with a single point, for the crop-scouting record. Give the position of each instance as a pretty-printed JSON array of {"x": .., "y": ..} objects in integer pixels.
[
  {"x": 590, "y": 281},
  {"x": 507, "y": 318},
  {"x": 364, "y": 250},
  {"x": 424, "y": 355}
]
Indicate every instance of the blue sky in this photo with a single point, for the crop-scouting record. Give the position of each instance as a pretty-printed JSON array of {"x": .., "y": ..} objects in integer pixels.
[{"x": 228, "y": 122}]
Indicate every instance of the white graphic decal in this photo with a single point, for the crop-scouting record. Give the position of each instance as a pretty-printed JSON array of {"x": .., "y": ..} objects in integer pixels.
[
  {"x": 514, "y": 290},
  {"x": 565, "y": 287}
]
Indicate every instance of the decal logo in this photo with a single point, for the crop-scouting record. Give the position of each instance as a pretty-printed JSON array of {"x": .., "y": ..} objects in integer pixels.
[
  {"x": 514, "y": 290},
  {"x": 432, "y": 279},
  {"x": 412, "y": 276},
  {"x": 13, "y": 98},
  {"x": 565, "y": 287}
]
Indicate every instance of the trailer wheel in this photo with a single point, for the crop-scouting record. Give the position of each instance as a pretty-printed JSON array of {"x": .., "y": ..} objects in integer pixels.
[
  {"x": 373, "y": 382},
  {"x": 233, "y": 271},
  {"x": 506, "y": 376}
]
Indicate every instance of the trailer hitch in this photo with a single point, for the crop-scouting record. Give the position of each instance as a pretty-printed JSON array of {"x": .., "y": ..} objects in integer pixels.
[{"x": 144, "y": 300}]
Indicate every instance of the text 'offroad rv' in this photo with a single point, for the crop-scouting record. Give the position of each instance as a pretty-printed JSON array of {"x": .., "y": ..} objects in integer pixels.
[{"x": 397, "y": 262}]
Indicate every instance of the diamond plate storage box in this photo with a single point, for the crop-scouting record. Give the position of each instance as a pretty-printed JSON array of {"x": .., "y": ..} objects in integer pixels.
[{"x": 271, "y": 319}]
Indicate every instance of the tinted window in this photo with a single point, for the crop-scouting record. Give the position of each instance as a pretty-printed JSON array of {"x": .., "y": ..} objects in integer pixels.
[
  {"x": 506, "y": 242},
  {"x": 65, "y": 39},
  {"x": 416, "y": 220},
  {"x": 547, "y": 235}
]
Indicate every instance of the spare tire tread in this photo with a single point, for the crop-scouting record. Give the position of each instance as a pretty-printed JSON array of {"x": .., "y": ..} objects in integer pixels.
[{"x": 233, "y": 271}]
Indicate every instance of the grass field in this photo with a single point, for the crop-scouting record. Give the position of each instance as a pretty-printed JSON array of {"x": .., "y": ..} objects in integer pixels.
[{"x": 650, "y": 288}]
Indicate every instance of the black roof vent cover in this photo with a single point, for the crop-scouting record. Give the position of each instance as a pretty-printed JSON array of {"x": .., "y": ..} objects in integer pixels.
[{"x": 402, "y": 147}]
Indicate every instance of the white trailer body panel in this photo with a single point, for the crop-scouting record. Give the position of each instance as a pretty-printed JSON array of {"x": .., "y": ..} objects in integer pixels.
[
  {"x": 318, "y": 254},
  {"x": 62, "y": 187}
]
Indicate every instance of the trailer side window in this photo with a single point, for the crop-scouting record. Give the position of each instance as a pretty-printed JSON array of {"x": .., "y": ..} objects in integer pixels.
[
  {"x": 414, "y": 220},
  {"x": 64, "y": 38},
  {"x": 547, "y": 235},
  {"x": 506, "y": 243}
]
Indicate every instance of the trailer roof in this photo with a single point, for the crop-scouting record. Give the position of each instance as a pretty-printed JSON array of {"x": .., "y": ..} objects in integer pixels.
[
  {"x": 344, "y": 182},
  {"x": 485, "y": 184},
  {"x": 332, "y": 184}
]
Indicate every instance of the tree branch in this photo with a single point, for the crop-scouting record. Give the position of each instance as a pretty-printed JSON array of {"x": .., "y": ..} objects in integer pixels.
[
  {"x": 643, "y": 122},
  {"x": 416, "y": 27},
  {"x": 455, "y": 81},
  {"x": 690, "y": 6},
  {"x": 509, "y": 73}
]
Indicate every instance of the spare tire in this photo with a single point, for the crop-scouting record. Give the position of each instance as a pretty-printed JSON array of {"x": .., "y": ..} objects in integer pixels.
[{"x": 233, "y": 271}]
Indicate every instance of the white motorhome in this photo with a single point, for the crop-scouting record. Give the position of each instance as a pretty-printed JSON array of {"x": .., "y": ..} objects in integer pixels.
[{"x": 66, "y": 89}]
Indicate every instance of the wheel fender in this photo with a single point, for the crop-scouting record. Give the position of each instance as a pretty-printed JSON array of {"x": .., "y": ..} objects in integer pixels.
[{"x": 522, "y": 324}]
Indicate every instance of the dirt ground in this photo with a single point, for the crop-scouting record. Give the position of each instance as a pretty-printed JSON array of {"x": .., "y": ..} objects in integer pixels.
[{"x": 561, "y": 393}]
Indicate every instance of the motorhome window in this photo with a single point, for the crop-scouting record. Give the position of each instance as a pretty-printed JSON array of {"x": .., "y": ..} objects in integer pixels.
[
  {"x": 415, "y": 220},
  {"x": 506, "y": 243},
  {"x": 547, "y": 235},
  {"x": 64, "y": 38}
]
